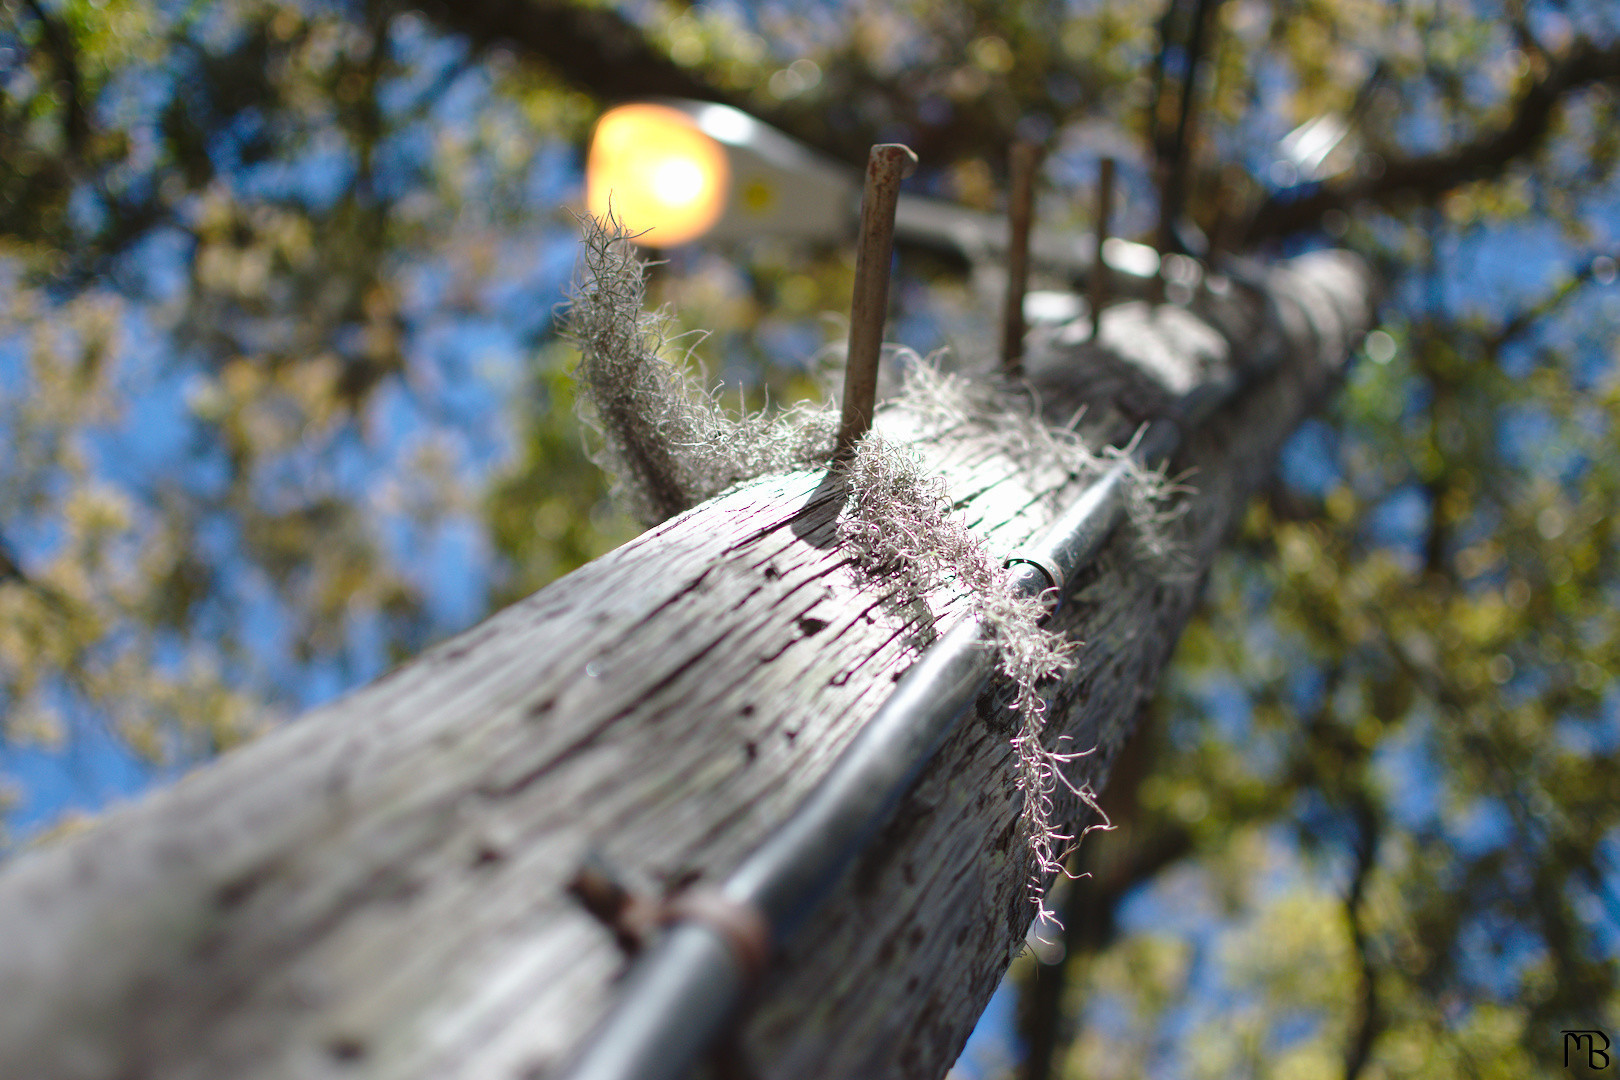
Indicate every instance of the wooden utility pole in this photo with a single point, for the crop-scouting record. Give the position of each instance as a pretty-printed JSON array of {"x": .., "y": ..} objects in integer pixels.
[{"x": 379, "y": 888}]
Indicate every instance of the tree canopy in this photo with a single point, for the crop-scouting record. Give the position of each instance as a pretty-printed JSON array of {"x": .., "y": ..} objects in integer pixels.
[{"x": 284, "y": 404}]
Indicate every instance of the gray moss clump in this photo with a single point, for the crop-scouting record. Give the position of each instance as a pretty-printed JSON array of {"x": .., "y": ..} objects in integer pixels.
[
  {"x": 899, "y": 523},
  {"x": 670, "y": 445}
]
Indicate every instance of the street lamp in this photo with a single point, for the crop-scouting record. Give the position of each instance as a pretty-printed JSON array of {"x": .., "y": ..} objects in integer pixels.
[
  {"x": 657, "y": 173},
  {"x": 688, "y": 169},
  {"x": 684, "y": 170}
]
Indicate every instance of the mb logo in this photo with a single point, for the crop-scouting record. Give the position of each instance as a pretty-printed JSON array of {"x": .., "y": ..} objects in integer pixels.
[{"x": 1586, "y": 1042}]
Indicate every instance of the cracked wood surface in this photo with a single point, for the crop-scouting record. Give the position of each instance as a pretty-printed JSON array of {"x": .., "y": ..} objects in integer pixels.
[{"x": 378, "y": 889}]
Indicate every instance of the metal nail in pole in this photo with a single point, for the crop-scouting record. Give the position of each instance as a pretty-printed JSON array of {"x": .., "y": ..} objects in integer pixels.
[
  {"x": 1164, "y": 234},
  {"x": 1023, "y": 160},
  {"x": 888, "y": 164},
  {"x": 1100, "y": 283}
]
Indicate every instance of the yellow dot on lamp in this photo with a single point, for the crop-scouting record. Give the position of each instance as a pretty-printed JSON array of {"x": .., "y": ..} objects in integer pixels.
[{"x": 659, "y": 173}]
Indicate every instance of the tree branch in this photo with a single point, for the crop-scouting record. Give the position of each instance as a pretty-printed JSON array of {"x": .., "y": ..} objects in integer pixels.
[
  {"x": 9, "y": 568},
  {"x": 1369, "y": 1021},
  {"x": 64, "y": 57},
  {"x": 1173, "y": 153},
  {"x": 1550, "y": 304},
  {"x": 608, "y": 56},
  {"x": 596, "y": 49},
  {"x": 1425, "y": 176}
]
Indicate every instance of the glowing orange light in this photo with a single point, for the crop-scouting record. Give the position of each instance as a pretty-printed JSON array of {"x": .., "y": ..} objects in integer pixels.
[{"x": 661, "y": 172}]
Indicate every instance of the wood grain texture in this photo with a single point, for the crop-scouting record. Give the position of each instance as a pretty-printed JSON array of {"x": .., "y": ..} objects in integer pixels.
[{"x": 378, "y": 889}]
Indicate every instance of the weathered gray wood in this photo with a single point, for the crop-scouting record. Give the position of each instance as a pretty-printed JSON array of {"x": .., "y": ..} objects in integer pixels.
[{"x": 377, "y": 889}]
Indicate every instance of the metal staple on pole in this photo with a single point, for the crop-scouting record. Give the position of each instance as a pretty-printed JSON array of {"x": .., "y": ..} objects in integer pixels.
[
  {"x": 1023, "y": 160},
  {"x": 888, "y": 164}
]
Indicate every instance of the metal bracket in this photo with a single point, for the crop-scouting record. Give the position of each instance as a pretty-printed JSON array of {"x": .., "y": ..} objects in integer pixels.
[{"x": 635, "y": 919}]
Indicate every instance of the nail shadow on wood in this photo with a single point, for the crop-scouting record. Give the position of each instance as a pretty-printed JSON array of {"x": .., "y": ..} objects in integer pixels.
[{"x": 816, "y": 522}]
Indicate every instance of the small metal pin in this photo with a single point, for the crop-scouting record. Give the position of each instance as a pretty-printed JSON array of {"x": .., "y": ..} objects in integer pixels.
[
  {"x": 888, "y": 164},
  {"x": 1100, "y": 282},
  {"x": 1023, "y": 160},
  {"x": 1164, "y": 234}
]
